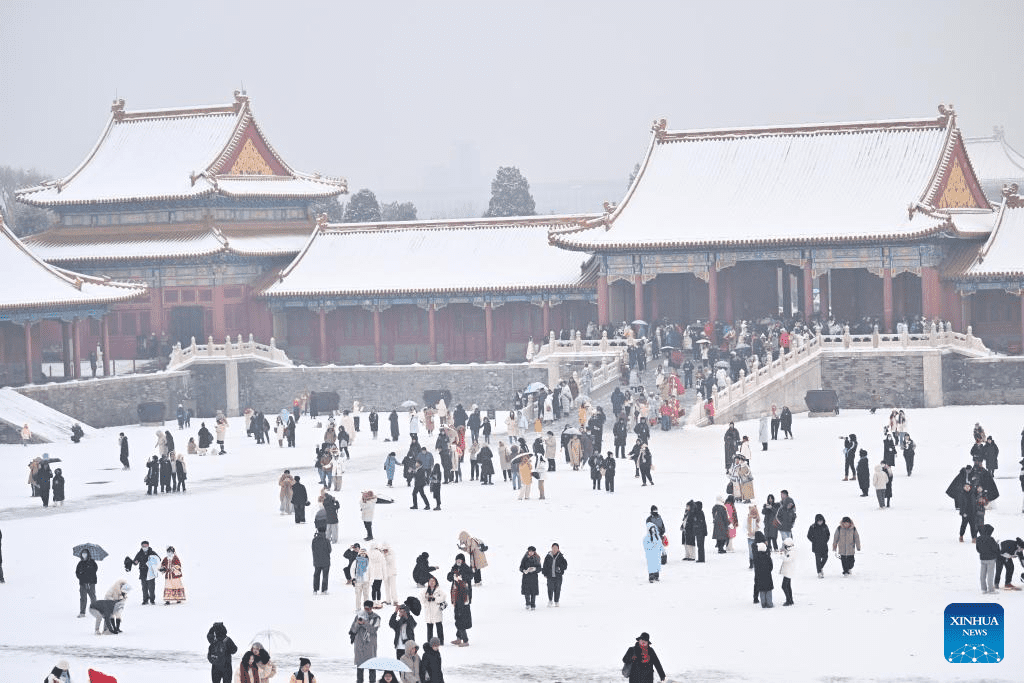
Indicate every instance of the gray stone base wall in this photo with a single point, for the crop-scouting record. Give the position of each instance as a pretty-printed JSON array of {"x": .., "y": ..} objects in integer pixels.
[
  {"x": 982, "y": 381},
  {"x": 488, "y": 385},
  {"x": 866, "y": 380},
  {"x": 108, "y": 402}
]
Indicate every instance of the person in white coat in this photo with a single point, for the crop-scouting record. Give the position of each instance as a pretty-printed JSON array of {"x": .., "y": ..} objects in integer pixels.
[
  {"x": 764, "y": 431},
  {"x": 434, "y": 603},
  {"x": 787, "y": 568},
  {"x": 512, "y": 427},
  {"x": 879, "y": 480},
  {"x": 442, "y": 413},
  {"x": 414, "y": 423},
  {"x": 383, "y": 569}
]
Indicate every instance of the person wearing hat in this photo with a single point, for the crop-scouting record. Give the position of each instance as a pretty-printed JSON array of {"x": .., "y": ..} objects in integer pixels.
[
  {"x": 530, "y": 567},
  {"x": 363, "y": 634},
  {"x": 219, "y": 653},
  {"x": 430, "y": 665},
  {"x": 411, "y": 659},
  {"x": 863, "y": 473},
  {"x": 641, "y": 660},
  {"x": 60, "y": 673},
  {"x": 845, "y": 541},
  {"x": 763, "y": 565},
  {"x": 170, "y": 567},
  {"x": 303, "y": 675},
  {"x": 787, "y": 567}
]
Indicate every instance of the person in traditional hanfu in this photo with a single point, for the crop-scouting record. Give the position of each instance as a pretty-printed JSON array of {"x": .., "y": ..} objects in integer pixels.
[{"x": 171, "y": 569}]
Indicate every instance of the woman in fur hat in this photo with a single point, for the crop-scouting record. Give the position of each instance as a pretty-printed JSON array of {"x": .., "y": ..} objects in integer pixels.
[
  {"x": 303, "y": 675},
  {"x": 787, "y": 568},
  {"x": 170, "y": 567},
  {"x": 642, "y": 660},
  {"x": 256, "y": 666}
]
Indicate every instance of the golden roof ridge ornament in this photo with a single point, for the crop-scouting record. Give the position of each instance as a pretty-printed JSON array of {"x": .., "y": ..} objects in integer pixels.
[
  {"x": 1011, "y": 197},
  {"x": 321, "y": 221},
  {"x": 658, "y": 128},
  {"x": 117, "y": 109},
  {"x": 947, "y": 112}
]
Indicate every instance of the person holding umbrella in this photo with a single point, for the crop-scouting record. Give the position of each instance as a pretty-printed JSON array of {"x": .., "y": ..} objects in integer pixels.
[{"x": 86, "y": 573}]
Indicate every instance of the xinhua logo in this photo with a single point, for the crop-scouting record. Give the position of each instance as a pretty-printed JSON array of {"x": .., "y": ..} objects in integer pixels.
[{"x": 974, "y": 633}]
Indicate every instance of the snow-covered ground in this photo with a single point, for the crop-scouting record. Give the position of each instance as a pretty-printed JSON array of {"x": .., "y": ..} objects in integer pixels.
[{"x": 248, "y": 566}]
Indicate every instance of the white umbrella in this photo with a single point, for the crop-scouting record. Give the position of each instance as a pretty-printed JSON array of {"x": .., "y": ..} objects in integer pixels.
[
  {"x": 409, "y": 404},
  {"x": 271, "y": 639},
  {"x": 638, "y": 322},
  {"x": 385, "y": 664},
  {"x": 535, "y": 387}
]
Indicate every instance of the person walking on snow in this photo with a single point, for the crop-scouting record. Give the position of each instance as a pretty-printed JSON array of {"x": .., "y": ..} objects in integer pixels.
[
  {"x": 988, "y": 554},
  {"x": 863, "y": 476},
  {"x": 86, "y": 573},
  {"x": 653, "y": 548},
  {"x": 529, "y": 567},
  {"x": 818, "y": 534},
  {"x": 787, "y": 568},
  {"x": 554, "y": 567},
  {"x": 642, "y": 660},
  {"x": 763, "y": 565},
  {"x": 845, "y": 542},
  {"x": 363, "y": 635}
]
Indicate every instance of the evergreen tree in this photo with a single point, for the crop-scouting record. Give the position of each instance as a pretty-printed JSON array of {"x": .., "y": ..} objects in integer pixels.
[
  {"x": 395, "y": 211},
  {"x": 334, "y": 209},
  {"x": 510, "y": 194},
  {"x": 362, "y": 208},
  {"x": 633, "y": 175},
  {"x": 22, "y": 219}
]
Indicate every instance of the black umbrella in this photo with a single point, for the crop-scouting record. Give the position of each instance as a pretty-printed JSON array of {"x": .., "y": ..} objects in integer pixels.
[{"x": 95, "y": 552}]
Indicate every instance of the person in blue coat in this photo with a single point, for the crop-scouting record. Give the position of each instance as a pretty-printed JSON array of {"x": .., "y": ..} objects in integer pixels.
[
  {"x": 652, "y": 550},
  {"x": 389, "y": 466}
]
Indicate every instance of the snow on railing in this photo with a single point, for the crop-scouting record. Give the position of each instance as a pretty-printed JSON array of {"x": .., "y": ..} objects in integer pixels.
[
  {"x": 937, "y": 337},
  {"x": 212, "y": 351},
  {"x": 605, "y": 356}
]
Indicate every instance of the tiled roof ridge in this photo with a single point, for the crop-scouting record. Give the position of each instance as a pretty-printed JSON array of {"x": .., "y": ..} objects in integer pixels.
[{"x": 506, "y": 222}]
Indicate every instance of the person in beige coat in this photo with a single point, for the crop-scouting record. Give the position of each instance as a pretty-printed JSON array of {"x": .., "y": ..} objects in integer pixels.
[
  {"x": 285, "y": 482},
  {"x": 411, "y": 659},
  {"x": 477, "y": 558},
  {"x": 525, "y": 465},
  {"x": 844, "y": 542}
]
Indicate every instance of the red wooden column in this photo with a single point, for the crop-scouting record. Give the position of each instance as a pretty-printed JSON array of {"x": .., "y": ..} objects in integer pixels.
[
  {"x": 603, "y": 315},
  {"x": 887, "y": 309},
  {"x": 489, "y": 329},
  {"x": 808, "y": 304},
  {"x": 65, "y": 348},
  {"x": 931, "y": 292},
  {"x": 638, "y": 297},
  {"x": 431, "y": 325},
  {"x": 655, "y": 313},
  {"x": 107, "y": 360},
  {"x": 727, "y": 276},
  {"x": 28, "y": 353},
  {"x": 377, "y": 356},
  {"x": 712, "y": 292},
  {"x": 546, "y": 320},
  {"x": 823, "y": 295},
  {"x": 76, "y": 350},
  {"x": 323, "y": 336}
]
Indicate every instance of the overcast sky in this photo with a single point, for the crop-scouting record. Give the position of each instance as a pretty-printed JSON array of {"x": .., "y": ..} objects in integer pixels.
[{"x": 383, "y": 92}]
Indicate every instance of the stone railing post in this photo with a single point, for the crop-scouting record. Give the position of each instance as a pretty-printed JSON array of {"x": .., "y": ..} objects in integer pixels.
[
  {"x": 743, "y": 381},
  {"x": 874, "y": 337},
  {"x": 846, "y": 336},
  {"x": 905, "y": 337},
  {"x": 193, "y": 346},
  {"x": 931, "y": 334},
  {"x": 227, "y": 346},
  {"x": 577, "y": 342},
  {"x": 604, "y": 341},
  {"x": 209, "y": 346}
]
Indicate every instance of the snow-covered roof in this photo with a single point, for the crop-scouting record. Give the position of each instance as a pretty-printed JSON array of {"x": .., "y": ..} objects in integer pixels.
[
  {"x": 29, "y": 282},
  {"x": 1003, "y": 253},
  {"x": 793, "y": 184},
  {"x": 993, "y": 159},
  {"x": 504, "y": 254},
  {"x": 175, "y": 154},
  {"x": 73, "y": 245}
]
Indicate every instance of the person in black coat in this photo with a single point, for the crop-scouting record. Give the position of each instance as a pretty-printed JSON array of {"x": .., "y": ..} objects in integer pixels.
[
  {"x": 554, "y": 567},
  {"x": 889, "y": 448},
  {"x": 148, "y": 585},
  {"x": 850, "y": 455},
  {"x": 421, "y": 477},
  {"x": 644, "y": 464},
  {"x": 459, "y": 417},
  {"x": 642, "y": 661},
  {"x": 461, "y": 568},
  {"x": 299, "y": 501},
  {"x": 430, "y": 663},
  {"x": 786, "y": 422},
  {"x": 988, "y": 554},
  {"x": 43, "y": 477},
  {"x": 609, "y": 472},
  {"x": 474, "y": 425},
  {"x": 909, "y": 451},
  {"x": 404, "y": 626},
  {"x": 818, "y": 534},
  {"x": 393, "y": 419},
  {"x": 152, "y": 476},
  {"x": 643, "y": 431},
  {"x": 374, "y": 420},
  {"x": 165, "y": 474},
  {"x": 990, "y": 455},
  {"x": 619, "y": 432},
  {"x": 179, "y": 469},
  {"x": 122, "y": 441},
  {"x": 58, "y": 487},
  {"x": 763, "y": 565},
  {"x": 321, "y": 548},
  {"x": 529, "y": 567},
  {"x": 2, "y": 580},
  {"x": 700, "y": 528},
  {"x": 1007, "y": 551},
  {"x": 731, "y": 441},
  {"x": 205, "y": 438},
  {"x": 421, "y": 573},
  {"x": 863, "y": 473},
  {"x": 86, "y": 573},
  {"x": 219, "y": 653},
  {"x": 486, "y": 460}
]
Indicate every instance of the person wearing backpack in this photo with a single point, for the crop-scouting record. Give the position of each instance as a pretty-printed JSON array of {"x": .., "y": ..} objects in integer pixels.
[{"x": 219, "y": 653}]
